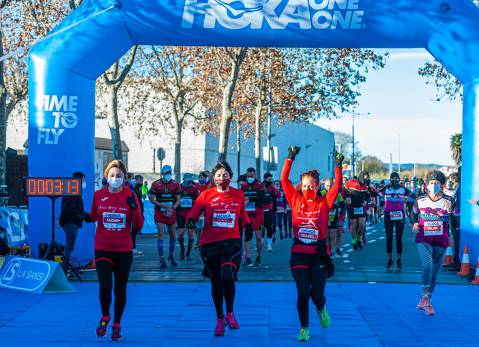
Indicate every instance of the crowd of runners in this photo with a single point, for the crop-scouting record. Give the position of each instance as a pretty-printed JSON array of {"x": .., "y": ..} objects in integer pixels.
[{"x": 224, "y": 223}]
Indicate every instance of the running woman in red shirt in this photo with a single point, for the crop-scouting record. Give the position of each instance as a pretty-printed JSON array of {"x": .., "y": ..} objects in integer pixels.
[
  {"x": 254, "y": 194},
  {"x": 115, "y": 209},
  {"x": 310, "y": 262},
  {"x": 221, "y": 250},
  {"x": 165, "y": 195},
  {"x": 189, "y": 193}
]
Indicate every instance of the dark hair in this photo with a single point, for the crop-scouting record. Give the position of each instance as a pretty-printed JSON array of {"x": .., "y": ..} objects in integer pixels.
[
  {"x": 223, "y": 165},
  {"x": 436, "y": 175},
  {"x": 251, "y": 169},
  {"x": 202, "y": 174},
  {"x": 242, "y": 178},
  {"x": 138, "y": 177},
  {"x": 267, "y": 175},
  {"x": 313, "y": 174},
  {"x": 78, "y": 174},
  {"x": 394, "y": 174}
]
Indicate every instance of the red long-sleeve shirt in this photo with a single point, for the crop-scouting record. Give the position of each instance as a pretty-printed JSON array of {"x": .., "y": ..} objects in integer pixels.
[
  {"x": 224, "y": 211},
  {"x": 310, "y": 218},
  {"x": 115, "y": 218}
]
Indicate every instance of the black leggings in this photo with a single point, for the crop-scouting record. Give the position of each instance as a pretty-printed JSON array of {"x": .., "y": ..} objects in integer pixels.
[
  {"x": 279, "y": 221},
  {"x": 310, "y": 274},
  {"x": 134, "y": 233},
  {"x": 389, "y": 226},
  {"x": 222, "y": 260},
  {"x": 268, "y": 223},
  {"x": 118, "y": 264}
]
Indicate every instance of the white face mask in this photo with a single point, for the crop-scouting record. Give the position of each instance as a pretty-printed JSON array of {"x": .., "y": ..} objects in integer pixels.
[
  {"x": 115, "y": 182},
  {"x": 167, "y": 178},
  {"x": 434, "y": 188},
  {"x": 250, "y": 180},
  {"x": 83, "y": 185}
]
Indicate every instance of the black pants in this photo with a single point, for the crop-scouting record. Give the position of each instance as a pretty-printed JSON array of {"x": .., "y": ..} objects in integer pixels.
[
  {"x": 134, "y": 233},
  {"x": 288, "y": 222},
  {"x": 117, "y": 264},
  {"x": 279, "y": 221},
  {"x": 268, "y": 223},
  {"x": 310, "y": 273},
  {"x": 222, "y": 261},
  {"x": 456, "y": 234},
  {"x": 389, "y": 225}
]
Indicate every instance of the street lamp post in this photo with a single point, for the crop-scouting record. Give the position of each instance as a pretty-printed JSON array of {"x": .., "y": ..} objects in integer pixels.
[{"x": 353, "y": 160}]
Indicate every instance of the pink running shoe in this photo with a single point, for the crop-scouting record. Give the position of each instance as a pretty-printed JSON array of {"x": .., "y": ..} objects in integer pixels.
[
  {"x": 116, "y": 332},
  {"x": 429, "y": 309},
  {"x": 423, "y": 302},
  {"x": 101, "y": 328},
  {"x": 231, "y": 321},
  {"x": 220, "y": 327}
]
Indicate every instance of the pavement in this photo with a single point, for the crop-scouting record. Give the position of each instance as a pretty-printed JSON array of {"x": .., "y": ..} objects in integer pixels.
[{"x": 367, "y": 265}]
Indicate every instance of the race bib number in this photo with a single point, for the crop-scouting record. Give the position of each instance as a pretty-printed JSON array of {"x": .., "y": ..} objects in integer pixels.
[
  {"x": 250, "y": 206},
  {"x": 280, "y": 210},
  {"x": 308, "y": 235},
  {"x": 169, "y": 203},
  {"x": 224, "y": 220},
  {"x": 358, "y": 211},
  {"x": 332, "y": 215},
  {"x": 186, "y": 202},
  {"x": 396, "y": 215},
  {"x": 114, "y": 220},
  {"x": 433, "y": 228}
]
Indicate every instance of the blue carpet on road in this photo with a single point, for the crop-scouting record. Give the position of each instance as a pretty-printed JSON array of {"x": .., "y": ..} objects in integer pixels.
[{"x": 166, "y": 315}]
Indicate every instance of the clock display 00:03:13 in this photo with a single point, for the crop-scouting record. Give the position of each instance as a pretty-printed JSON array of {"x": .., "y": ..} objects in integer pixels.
[{"x": 36, "y": 186}]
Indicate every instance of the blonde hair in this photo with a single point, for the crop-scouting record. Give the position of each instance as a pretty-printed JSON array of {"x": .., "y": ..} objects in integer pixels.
[{"x": 115, "y": 163}]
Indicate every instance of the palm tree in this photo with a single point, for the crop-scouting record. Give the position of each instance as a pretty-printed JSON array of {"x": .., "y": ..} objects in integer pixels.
[{"x": 456, "y": 148}]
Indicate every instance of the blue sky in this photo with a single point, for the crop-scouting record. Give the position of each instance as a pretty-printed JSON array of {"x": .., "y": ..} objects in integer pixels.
[{"x": 402, "y": 105}]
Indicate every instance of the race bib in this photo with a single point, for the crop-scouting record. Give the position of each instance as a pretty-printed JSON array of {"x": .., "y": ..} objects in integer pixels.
[
  {"x": 358, "y": 211},
  {"x": 169, "y": 203},
  {"x": 433, "y": 228},
  {"x": 186, "y": 202},
  {"x": 280, "y": 210},
  {"x": 114, "y": 220},
  {"x": 395, "y": 215},
  {"x": 250, "y": 206},
  {"x": 332, "y": 215},
  {"x": 308, "y": 235},
  {"x": 224, "y": 219}
]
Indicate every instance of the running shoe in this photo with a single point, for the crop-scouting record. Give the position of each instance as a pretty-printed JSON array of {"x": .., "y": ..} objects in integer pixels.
[
  {"x": 360, "y": 245},
  {"x": 338, "y": 252},
  {"x": 324, "y": 318},
  {"x": 354, "y": 242},
  {"x": 248, "y": 262},
  {"x": 258, "y": 261},
  {"x": 270, "y": 248},
  {"x": 303, "y": 334},
  {"x": 398, "y": 265},
  {"x": 389, "y": 265},
  {"x": 172, "y": 260},
  {"x": 101, "y": 329},
  {"x": 162, "y": 263},
  {"x": 429, "y": 309},
  {"x": 116, "y": 332},
  {"x": 220, "y": 327},
  {"x": 423, "y": 302},
  {"x": 231, "y": 321}
]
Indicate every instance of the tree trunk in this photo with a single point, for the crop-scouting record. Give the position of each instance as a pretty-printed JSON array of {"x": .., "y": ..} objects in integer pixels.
[
  {"x": 238, "y": 148},
  {"x": 227, "y": 112},
  {"x": 257, "y": 139},
  {"x": 114, "y": 122},
  {"x": 3, "y": 118},
  {"x": 178, "y": 128}
]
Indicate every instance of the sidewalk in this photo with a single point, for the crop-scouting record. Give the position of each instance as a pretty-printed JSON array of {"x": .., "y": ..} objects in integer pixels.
[{"x": 167, "y": 315}]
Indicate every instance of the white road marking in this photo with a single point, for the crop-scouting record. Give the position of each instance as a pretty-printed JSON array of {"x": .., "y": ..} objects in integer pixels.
[
  {"x": 347, "y": 261},
  {"x": 345, "y": 255},
  {"x": 371, "y": 241},
  {"x": 382, "y": 238}
]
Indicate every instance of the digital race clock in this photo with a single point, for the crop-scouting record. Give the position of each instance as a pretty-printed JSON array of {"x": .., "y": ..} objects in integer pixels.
[{"x": 52, "y": 186}]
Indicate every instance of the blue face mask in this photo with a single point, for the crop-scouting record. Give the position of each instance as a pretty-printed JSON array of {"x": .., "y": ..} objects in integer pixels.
[
  {"x": 2, "y": 235},
  {"x": 201, "y": 180}
]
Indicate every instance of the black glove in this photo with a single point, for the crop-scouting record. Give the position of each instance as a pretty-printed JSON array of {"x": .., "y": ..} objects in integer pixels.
[
  {"x": 329, "y": 266},
  {"x": 190, "y": 224},
  {"x": 338, "y": 159},
  {"x": 293, "y": 152},
  {"x": 131, "y": 202}
]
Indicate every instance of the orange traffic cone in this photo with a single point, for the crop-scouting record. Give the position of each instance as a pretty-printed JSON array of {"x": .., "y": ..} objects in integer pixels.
[
  {"x": 465, "y": 266},
  {"x": 449, "y": 255},
  {"x": 476, "y": 278}
]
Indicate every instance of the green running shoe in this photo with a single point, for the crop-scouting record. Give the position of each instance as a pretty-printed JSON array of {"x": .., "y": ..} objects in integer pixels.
[
  {"x": 324, "y": 318},
  {"x": 303, "y": 334}
]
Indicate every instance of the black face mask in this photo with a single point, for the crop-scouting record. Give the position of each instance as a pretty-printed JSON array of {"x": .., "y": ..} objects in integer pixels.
[
  {"x": 395, "y": 182},
  {"x": 267, "y": 183}
]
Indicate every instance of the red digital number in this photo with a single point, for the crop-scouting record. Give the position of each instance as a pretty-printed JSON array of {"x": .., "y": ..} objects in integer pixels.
[
  {"x": 58, "y": 187},
  {"x": 32, "y": 187},
  {"x": 41, "y": 187},
  {"x": 75, "y": 188}
]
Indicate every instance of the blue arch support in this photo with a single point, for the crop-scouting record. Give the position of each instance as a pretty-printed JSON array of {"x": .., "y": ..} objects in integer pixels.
[{"x": 63, "y": 66}]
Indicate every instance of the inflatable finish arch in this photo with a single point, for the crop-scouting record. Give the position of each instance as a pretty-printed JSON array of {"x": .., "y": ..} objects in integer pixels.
[{"x": 63, "y": 67}]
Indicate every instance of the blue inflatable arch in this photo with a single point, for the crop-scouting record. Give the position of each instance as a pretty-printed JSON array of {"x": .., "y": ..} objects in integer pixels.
[{"x": 64, "y": 66}]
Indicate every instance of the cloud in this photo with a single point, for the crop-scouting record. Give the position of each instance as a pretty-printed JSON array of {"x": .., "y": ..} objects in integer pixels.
[{"x": 412, "y": 55}]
